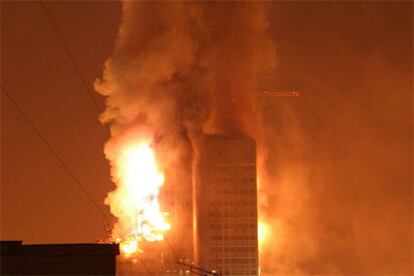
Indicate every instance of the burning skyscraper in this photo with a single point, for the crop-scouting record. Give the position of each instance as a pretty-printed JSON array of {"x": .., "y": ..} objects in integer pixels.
[
  {"x": 224, "y": 215},
  {"x": 175, "y": 62},
  {"x": 226, "y": 205}
]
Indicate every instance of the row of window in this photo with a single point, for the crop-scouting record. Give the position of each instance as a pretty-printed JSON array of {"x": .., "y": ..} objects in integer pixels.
[
  {"x": 231, "y": 201},
  {"x": 236, "y": 186},
  {"x": 234, "y": 238},
  {"x": 232, "y": 214},
  {"x": 235, "y": 208},
  {"x": 230, "y": 243},
  {"x": 237, "y": 168},
  {"x": 241, "y": 180},
  {"x": 231, "y": 211},
  {"x": 245, "y": 261},
  {"x": 232, "y": 234},
  {"x": 234, "y": 178},
  {"x": 241, "y": 234},
  {"x": 237, "y": 272},
  {"x": 219, "y": 220},
  {"x": 237, "y": 192},
  {"x": 233, "y": 249},
  {"x": 234, "y": 171},
  {"x": 233, "y": 225},
  {"x": 225, "y": 193},
  {"x": 227, "y": 255}
]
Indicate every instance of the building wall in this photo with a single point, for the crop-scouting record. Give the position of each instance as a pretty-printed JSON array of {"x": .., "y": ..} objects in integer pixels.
[
  {"x": 58, "y": 259},
  {"x": 227, "y": 206}
]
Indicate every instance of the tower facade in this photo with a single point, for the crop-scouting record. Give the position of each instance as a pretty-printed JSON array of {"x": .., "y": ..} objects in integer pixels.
[{"x": 226, "y": 209}]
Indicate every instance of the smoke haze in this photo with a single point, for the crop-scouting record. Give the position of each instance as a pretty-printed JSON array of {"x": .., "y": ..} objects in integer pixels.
[
  {"x": 340, "y": 155},
  {"x": 335, "y": 163},
  {"x": 180, "y": 70}
]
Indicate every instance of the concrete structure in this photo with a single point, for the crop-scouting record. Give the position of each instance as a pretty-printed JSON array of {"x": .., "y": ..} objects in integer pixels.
[
  {"x": 58, "y": 259},
  {"x": 226, "y": 207}
]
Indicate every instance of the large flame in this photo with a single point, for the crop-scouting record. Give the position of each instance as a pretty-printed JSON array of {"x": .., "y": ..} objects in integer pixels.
[
  {"x": 263, "y": 233},
  {"x": 135, "y": 200}
]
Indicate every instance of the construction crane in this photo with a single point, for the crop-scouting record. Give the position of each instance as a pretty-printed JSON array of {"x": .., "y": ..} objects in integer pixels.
[{"x": 279, "y": 94}]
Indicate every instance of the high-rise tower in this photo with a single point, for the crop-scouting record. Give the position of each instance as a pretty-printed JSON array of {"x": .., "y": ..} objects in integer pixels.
[{"x": 226, "y": 207}]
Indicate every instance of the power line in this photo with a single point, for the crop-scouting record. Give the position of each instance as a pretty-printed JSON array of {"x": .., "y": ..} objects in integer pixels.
[
  {"x": 77, "y": 69},
  {"x": 84, "y": 83},
  {"x": 144, "y": 266},
  {"x": 86, "y": 88},
  {"x": 54, "y": 153},
  {"x": 194, "y": 269},
  {"x": 71, "y": 57},
  {"x": 175, "y": 258},
  {"x": 171, "y": 249},
  {"x": 198, "y": 270}
]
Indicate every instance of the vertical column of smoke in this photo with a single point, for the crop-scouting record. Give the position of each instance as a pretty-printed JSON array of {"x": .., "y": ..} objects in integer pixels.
[
  {"x": 234, "y": 52},
  {"x": 152, "y": 49},
  {"x": 198, "y": 64}
]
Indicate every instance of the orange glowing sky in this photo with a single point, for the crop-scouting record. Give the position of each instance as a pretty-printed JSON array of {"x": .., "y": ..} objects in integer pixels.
[{"x": 348, "y": 136}]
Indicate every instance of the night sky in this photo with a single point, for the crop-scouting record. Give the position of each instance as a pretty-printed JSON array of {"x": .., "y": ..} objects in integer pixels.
[
  {"x": 349, "y": 132},
  {"x": 40, "y": 202}
]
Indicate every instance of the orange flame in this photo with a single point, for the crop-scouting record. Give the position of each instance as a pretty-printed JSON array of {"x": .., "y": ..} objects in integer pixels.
[
  {"x": 263, "y": 233},
  {"x": 135, "y": 200}
]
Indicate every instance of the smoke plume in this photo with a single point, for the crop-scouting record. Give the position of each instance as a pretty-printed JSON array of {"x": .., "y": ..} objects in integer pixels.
[{"x": 182, "y": 69}]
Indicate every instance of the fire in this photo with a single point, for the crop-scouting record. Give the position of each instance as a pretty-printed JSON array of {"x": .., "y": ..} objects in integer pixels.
[
  {"x": 135, "y": 201},
  {"x": 128, "y": 247},
  {"x": 263, "y": 233}
]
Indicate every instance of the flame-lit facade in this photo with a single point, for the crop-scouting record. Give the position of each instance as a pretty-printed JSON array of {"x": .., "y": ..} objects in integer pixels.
[
  {"x": 223, "y": 217},
  {"x": 226, "y": 207}
]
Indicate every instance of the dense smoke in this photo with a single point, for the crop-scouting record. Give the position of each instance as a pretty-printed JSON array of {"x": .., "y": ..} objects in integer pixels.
[
  {"x": 326, "y": 180},
  {"x": 340, "y": 155},
  {"x": 183, "y": 69}
]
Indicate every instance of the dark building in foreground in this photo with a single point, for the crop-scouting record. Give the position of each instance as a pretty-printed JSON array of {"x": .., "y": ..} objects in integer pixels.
[
  {"x": 58, "y": 259},
  {"x": 226, "y": 207}
]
